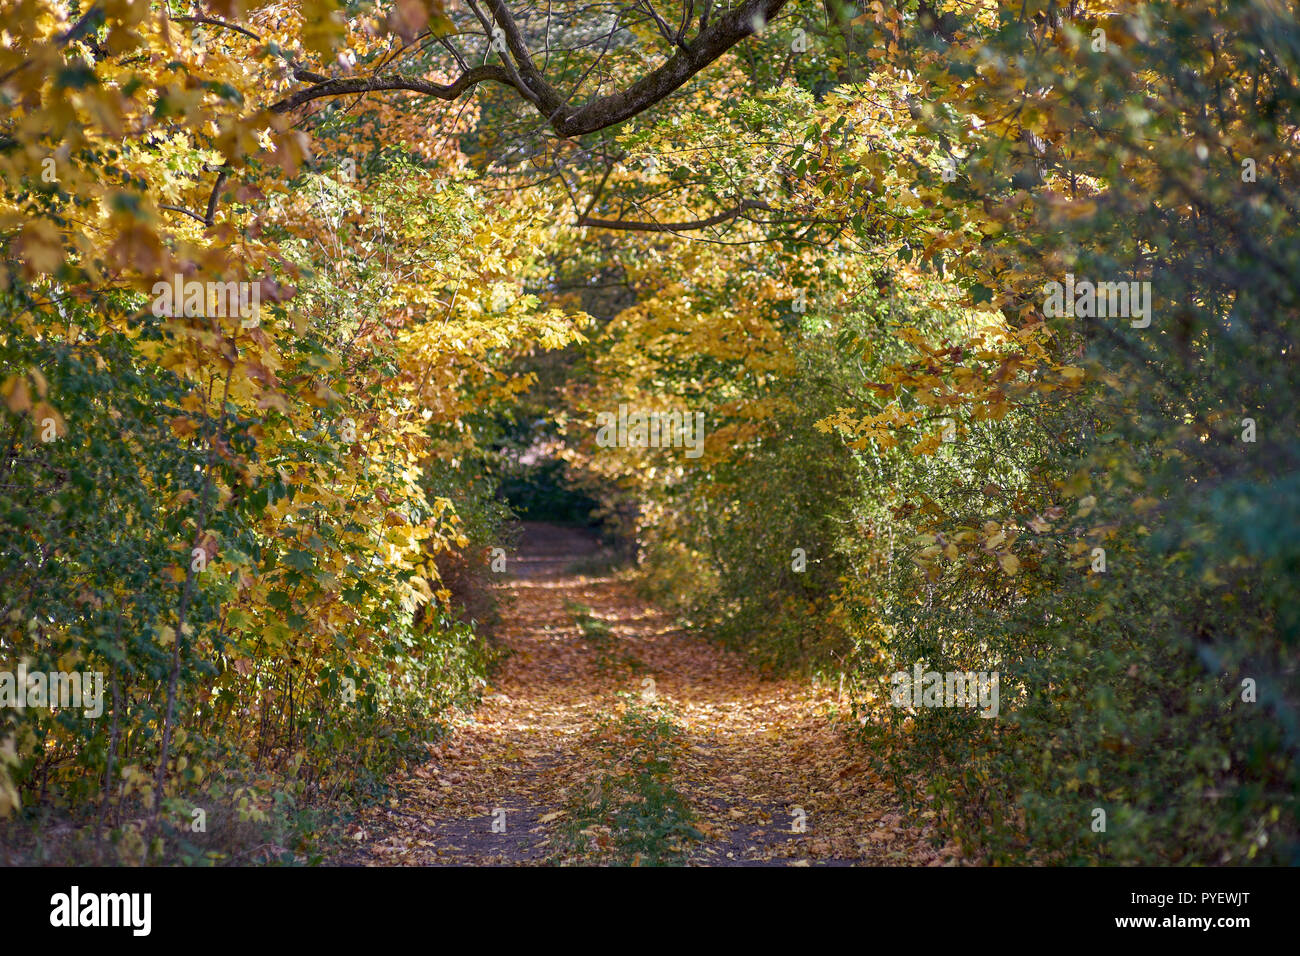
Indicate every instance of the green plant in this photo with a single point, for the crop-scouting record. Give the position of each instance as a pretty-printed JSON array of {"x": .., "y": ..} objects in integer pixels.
[{"x": 631, "y": 813}]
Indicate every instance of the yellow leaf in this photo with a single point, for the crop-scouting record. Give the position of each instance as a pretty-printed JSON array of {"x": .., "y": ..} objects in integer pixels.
[
  {"x": 16, "y": 395},
  {"x": 41, "y": 246}
]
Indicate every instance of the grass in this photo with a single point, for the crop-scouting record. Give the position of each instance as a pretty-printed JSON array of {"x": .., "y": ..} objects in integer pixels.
[
  {"x": 632, "y": 814},
  {"x": 598, "y": 634}
]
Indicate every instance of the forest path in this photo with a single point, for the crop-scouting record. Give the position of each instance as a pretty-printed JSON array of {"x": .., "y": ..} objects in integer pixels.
[{"x": 601, "y": 694}]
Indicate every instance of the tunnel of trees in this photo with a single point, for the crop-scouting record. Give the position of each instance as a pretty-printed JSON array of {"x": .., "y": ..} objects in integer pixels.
[{"x": 987, "y": 310}]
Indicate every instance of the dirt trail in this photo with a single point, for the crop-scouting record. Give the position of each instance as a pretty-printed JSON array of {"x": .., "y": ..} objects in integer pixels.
[{"x": 755, "y": 749}]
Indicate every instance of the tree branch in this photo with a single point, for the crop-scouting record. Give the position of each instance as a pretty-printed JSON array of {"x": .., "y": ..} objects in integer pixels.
[
  {"x": 628, "y": 225},
  {"x": 351, "y": 86},
  {"x": 713, "y": 41},
  {"x": 214, "y": 22},
  {"x": 189, "y": 212}
]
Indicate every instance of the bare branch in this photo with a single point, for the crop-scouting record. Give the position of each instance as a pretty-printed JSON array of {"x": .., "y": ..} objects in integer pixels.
[
  {"x": 189, "y": 212},
  {"x": 657, "y": 85},
  {"x": 713, "y": 41},
  {"x": 346, "y": 86},
  {"x": 634, "y": 226},
  {"x": 213, "y": 21}
]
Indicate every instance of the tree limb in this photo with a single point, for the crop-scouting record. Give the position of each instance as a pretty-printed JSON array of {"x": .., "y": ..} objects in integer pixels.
[
  {"x": 346, "y": 86},
  {"x": 713, "y": 41},
  {"x": 628, "y": 225}
]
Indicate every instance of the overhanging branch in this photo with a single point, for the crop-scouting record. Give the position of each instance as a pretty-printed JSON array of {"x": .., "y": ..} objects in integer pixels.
[
  {"x": 713, "y": 41},
  {"x": 628, "y": 225},
  {"x": 351, "y": 86}
]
